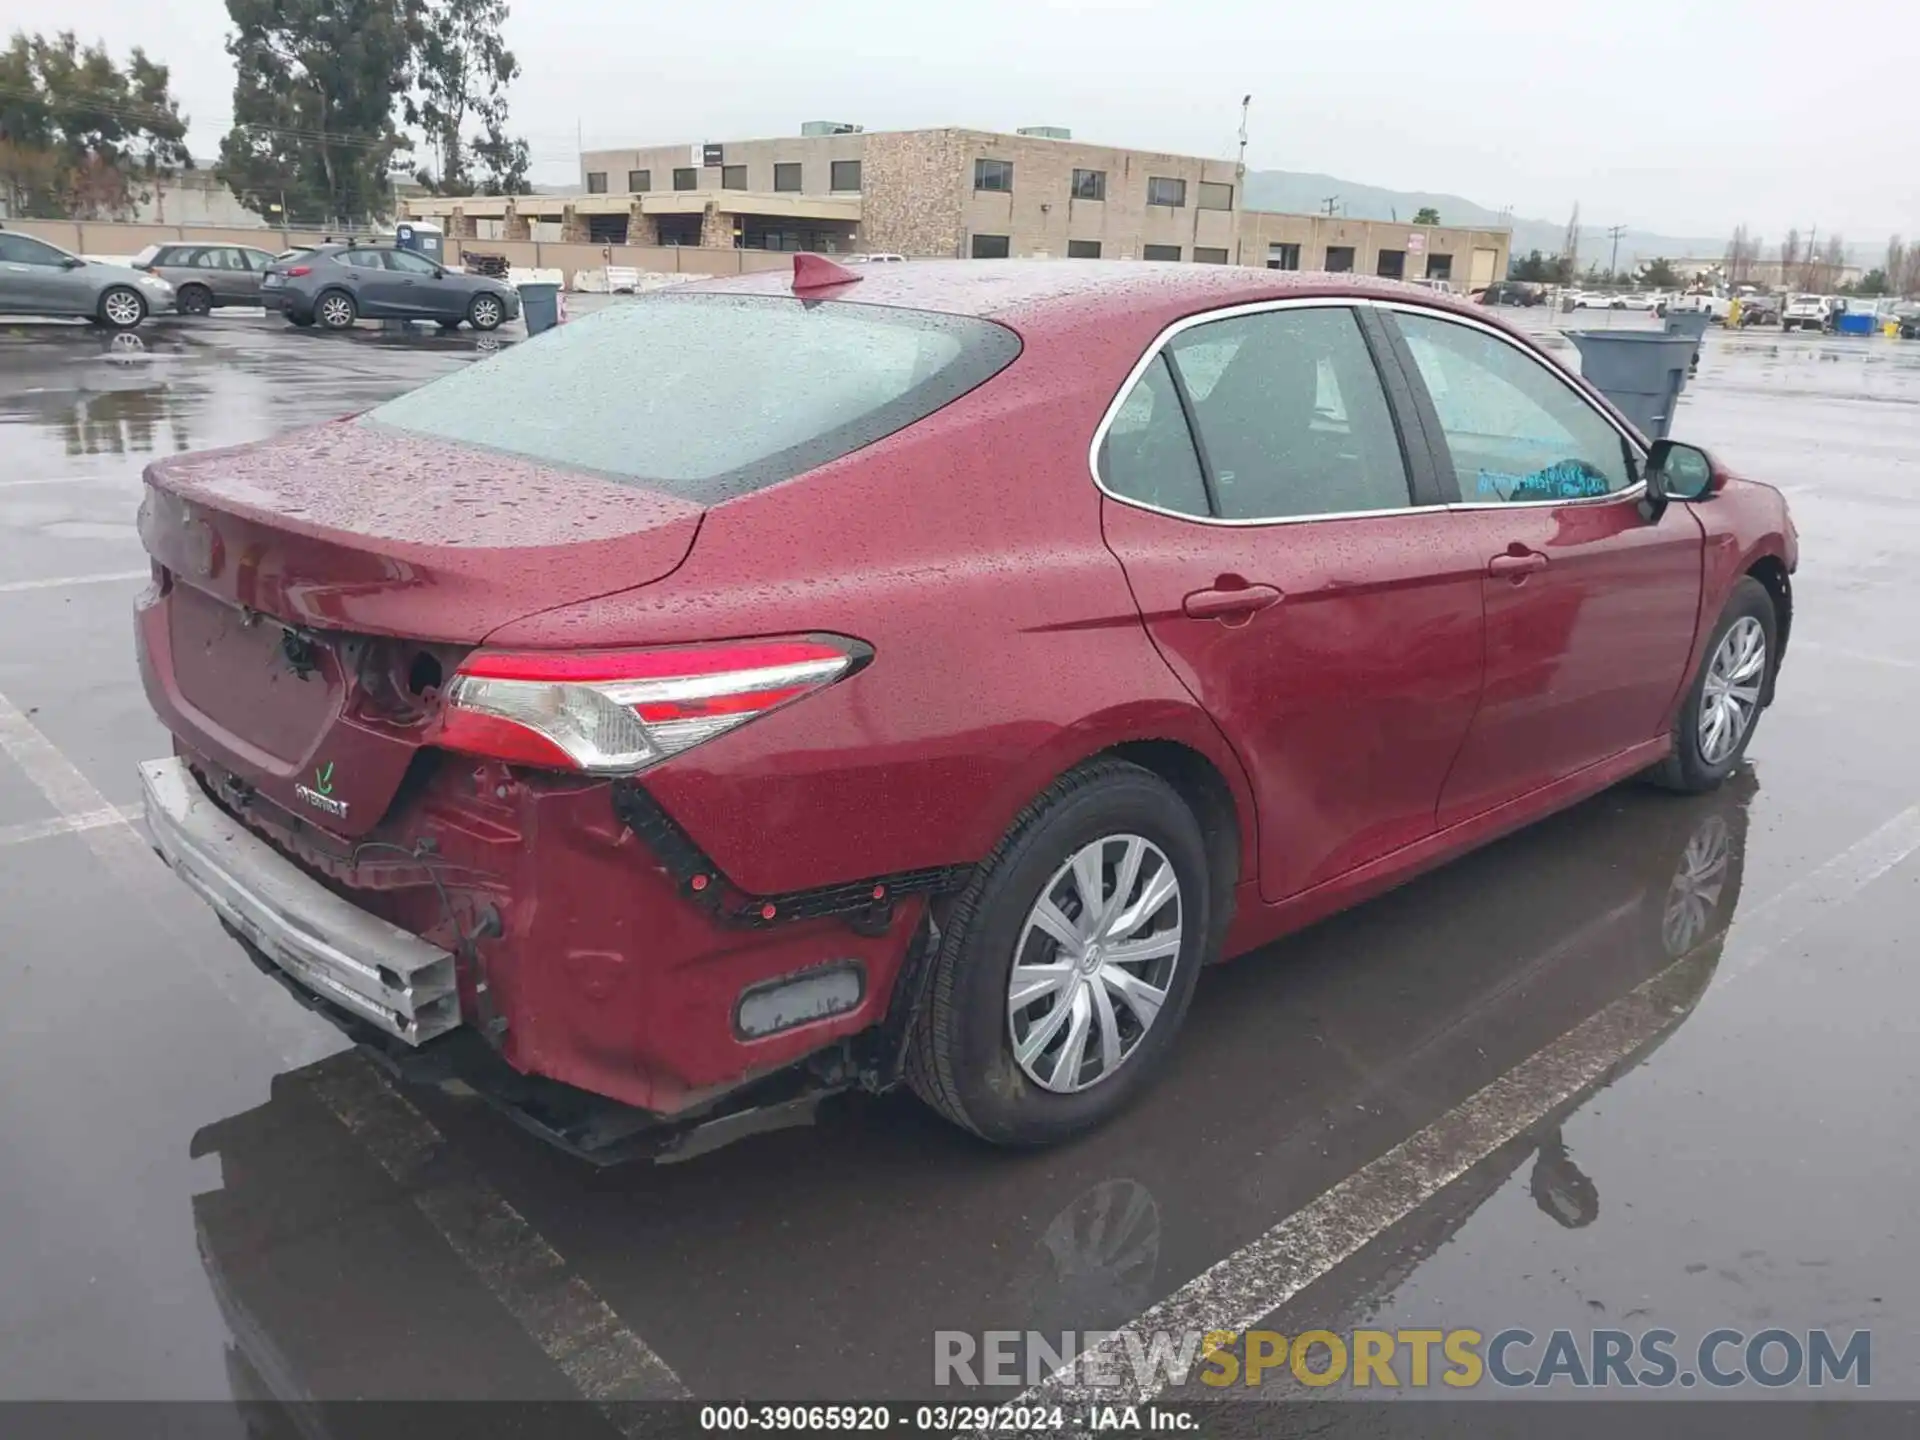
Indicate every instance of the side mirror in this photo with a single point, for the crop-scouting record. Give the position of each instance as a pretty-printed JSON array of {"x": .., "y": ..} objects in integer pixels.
[
  {"x": 1678, "y": 472},
  {"x": 73, "y": 262}
]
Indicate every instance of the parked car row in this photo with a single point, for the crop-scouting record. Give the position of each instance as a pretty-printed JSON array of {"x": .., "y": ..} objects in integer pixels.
[{"x": 329, "y": 285}]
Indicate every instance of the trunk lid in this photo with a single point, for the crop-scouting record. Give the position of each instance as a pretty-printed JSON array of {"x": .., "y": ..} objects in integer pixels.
[{"x": 321, "y": 584}]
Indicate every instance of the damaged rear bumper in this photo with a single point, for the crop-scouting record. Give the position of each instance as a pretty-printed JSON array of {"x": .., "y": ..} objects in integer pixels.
[{"x": 376, "y": 971}]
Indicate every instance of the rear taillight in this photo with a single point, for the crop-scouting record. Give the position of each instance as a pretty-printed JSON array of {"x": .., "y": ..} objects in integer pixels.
[
  {"x": 298, "y": 270},
  {"x": 616, "y": 712}
]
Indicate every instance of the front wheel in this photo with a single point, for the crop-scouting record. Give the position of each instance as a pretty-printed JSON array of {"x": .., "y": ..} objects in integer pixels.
[
  {"x": 1722, "y": 706},
  {"x": 1066, "y": 967},
  {"x": 486, "y": 312},
  {"x": 336, "y": 310},
  {"x": 122, "y": 308}
]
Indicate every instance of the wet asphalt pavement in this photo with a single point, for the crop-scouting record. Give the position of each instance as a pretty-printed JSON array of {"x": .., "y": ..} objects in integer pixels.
[{"x": 1704, "y": 1010}]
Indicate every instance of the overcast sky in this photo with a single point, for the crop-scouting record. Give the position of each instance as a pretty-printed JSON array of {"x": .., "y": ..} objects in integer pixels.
[{"x": 1681, "y": 116}]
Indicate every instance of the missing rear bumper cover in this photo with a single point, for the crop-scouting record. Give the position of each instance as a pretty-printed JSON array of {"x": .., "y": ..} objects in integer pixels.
[{"x": 866, "y": 905}]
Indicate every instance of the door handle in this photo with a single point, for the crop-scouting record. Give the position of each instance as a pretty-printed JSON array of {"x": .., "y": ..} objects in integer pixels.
[
  {"x": 1236, "y": 602},
  {"x": 1517, "y": 567}
]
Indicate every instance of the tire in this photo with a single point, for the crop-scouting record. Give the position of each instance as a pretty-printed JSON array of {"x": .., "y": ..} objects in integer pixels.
[
  {"x": 195, "y": 300},
  {"x": 335, "y": 310},
  {"x": 961, "y": 1058},
  {"x": 485, "y": 312},
  {"x": 121, "y": 307},
  {"x": 1693, "y": 768}
]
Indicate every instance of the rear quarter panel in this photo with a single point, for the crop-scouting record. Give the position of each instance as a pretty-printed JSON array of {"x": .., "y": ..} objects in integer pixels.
[{"x": 967, "y": 551}]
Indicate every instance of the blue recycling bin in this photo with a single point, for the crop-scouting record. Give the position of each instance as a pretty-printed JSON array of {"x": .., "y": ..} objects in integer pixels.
[
  {"x": 539, "y": 305},
  {"x": 1854, "y": 322},
  {"x": 1641, "y": 372}
]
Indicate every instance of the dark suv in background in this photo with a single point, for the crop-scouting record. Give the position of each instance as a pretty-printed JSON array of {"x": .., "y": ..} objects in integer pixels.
[{"x": 336, "y": 285}]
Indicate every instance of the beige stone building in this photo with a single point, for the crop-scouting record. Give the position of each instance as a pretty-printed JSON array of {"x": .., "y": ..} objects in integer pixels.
[{"x": 956, "y": 194}]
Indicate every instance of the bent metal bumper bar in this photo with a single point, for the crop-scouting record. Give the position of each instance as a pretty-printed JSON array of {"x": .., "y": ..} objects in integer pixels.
[{"x": 334, "y": 949}]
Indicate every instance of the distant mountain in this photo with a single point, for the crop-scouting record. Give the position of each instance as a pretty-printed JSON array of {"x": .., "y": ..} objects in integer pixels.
[{"x": 1306, "y": 194}]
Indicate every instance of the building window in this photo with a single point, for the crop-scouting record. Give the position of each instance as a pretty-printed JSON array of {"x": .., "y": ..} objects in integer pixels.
[
  {"x": 996, "y": 175},
  {"x": 1439, "y": 267},
  {"x": 1215, "y": 196},
  {"x": 678, "y": 229},
  {"x": 787, "y": 176},
  {"x": 686, "y": 178},
  {"x": 596, "y": 182},
  {"x": 1089, "y": 184},
  {"x": 1339, "y": 258},
  {"x": 845, "y": 175},
  {"x": 639, "y": 181},
  {"x": 1083, "y": 249},
  {"x": 1283, "y": 257},
  {"x": 733, "y": 177},
  {"x": 1209, "y": 255},
  {"x": 1392, "y": 264},
  {"x": 992, "y": 247},
  {"x": 1164, "y": 190},
  {"x": 1160, "y": 252}
]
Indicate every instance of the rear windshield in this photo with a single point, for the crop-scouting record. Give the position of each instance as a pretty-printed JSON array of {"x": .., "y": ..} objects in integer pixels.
[{"x": 709, "y": 396}]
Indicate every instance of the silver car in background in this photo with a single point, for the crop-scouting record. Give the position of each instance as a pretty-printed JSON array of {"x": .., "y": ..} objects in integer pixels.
[
  {"x": 205, "y": 277},
  {"x": 41, "y": 279}
]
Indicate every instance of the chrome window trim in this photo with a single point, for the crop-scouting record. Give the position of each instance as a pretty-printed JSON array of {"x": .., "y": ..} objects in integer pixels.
[{"x": 1633, "y": 492}]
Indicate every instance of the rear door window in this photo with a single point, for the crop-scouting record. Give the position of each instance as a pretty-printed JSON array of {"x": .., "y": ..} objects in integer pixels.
[
  {"x": 710, "y": 396},
  {"x": 1147, "y": 454},
  {"x": 1291, "y": 414}
]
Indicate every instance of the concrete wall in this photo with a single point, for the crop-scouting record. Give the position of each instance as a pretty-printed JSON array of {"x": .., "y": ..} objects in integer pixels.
[{"x": 112, "y": 237}]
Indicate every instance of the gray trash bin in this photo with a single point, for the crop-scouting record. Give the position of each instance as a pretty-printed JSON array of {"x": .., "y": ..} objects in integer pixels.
[
  {"x": 1692, "y": 324},
  {"x": 539, "y": 306},
  {"x": 1640, "y": 372}
]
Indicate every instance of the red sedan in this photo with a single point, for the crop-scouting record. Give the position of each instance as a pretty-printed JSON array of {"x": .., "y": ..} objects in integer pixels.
[{"x": 786, "y": 684}]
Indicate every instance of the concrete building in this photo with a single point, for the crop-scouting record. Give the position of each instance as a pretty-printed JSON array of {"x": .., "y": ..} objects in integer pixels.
[{"x": 956, "y": 194}]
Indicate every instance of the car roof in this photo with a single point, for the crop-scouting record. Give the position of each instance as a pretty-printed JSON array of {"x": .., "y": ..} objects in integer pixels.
[{"x": 1031, "y": 292}]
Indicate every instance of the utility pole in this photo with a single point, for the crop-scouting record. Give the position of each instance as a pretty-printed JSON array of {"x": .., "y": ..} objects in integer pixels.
[
  {"x": 1240, "y": 182},
  {"x": 1613, "y": 265},
  {"x": 1328, "y": 203}
]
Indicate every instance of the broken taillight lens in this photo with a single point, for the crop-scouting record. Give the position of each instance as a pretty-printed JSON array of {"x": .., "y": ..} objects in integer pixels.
[{"x": 616, "y": 712}]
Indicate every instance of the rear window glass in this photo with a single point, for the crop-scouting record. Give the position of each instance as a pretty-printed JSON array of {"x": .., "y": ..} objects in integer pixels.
[{"x": 710, "y": 396}]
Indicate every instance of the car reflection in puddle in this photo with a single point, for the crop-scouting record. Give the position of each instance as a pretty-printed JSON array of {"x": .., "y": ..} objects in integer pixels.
[{"x": 817, "y": 1264}]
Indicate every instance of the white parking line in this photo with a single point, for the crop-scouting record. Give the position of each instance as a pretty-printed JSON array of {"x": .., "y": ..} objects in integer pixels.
[
  {"x": 123, "y": 852},
  {"x": 61, "y": 582},
  {"x": 577, "y": 1330},
  {"x": 1864, "y": 656},
  {"x": 1259, "y": 1278},
  {"x": 64, "y": 825}
]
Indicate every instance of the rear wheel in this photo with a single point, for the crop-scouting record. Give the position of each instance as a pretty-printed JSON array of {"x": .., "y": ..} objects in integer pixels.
[
  {"x": 1722, "y": 707},
  {"x": 336, "y": 310},
  {"x": 122, "y": 307},
  {"x": 1066, "y": 967},
  {"x": 195, "y": 300},
  {"x": 486, "y": 312}
]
